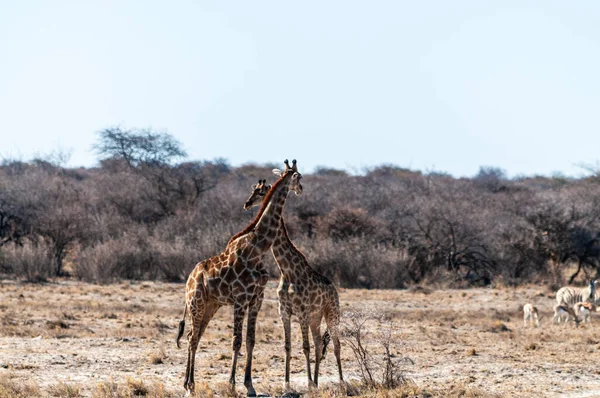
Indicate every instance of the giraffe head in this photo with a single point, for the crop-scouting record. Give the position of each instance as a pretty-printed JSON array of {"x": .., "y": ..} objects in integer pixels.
[
  {"x": 259, "y": 191},
  {"x": 296, "y": 176}
]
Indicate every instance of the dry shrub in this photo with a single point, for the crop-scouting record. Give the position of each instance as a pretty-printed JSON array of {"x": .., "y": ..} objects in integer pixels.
[
  {"x": 32, "y": 261},
  {"x": 137, "y": 256},
  {"x": 358, "y": 263},
  {"x": 383, "y": 371},
  {"x": 344, "y": 223}
]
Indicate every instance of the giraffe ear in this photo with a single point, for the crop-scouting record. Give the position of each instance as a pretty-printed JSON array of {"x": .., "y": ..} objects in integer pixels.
[{"x": 277, "y": 172}]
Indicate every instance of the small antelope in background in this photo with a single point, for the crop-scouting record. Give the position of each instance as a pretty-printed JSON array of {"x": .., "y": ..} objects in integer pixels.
[
  {"x": 563, "y": 312},
  {"x": 530, "y": 313},
  {"x": 585, "y": 309}
]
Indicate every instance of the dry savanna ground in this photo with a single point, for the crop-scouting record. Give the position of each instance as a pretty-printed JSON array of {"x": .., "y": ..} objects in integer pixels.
[{"x": 74, "y": 339}]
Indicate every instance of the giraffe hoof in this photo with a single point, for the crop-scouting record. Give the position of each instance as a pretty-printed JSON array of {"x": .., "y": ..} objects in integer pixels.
[{"x": 251, "y": 392}]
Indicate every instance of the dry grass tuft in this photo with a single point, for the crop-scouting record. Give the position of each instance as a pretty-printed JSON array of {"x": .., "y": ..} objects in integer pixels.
[
  {"x": 460, "y": 390},
  {"x": 531, "y": 347},
  {"x": 133, "y": 388},
  {"x": 64, "y": 390},
  {"x": 471, "y": 352},
  {"x": 203, "y": 390},
  {"x": 57, "y": 325},
  {"x": 420, "y": 289},
  {"x": 498, "y": 326},
  {"x": 107, "y": 389},
  {"x": 137, "y": 387},
  {"x": 11, "y": 388},
  {"x": 224, "y": 390},
  {"x": 157, "y": 357},
  {"x": 355, "y": 388},
  {"x": 223, "y": 357}
]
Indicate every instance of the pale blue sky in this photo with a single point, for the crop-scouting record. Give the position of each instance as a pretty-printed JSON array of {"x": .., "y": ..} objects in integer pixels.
[{"x": 431, "y": 85}]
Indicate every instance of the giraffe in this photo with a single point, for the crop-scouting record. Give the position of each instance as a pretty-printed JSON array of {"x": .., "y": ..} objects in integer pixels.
[
  {"x": 236, "y": 277},
  {"x": 302, "y": 292}
]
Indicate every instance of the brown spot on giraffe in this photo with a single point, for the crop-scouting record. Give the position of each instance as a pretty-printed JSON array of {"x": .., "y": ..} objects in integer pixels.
[{"x": 210, "y": 285}]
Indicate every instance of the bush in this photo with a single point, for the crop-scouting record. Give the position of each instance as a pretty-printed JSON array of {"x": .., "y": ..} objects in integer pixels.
[
  {"x": 345, "y": 223},
  {"x": 32, "y": 261},
  {"x": 377, "y": 370}
]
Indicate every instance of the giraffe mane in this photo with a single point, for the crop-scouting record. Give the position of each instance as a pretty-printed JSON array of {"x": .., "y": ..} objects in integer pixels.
[{"x": 263, "y": 207}]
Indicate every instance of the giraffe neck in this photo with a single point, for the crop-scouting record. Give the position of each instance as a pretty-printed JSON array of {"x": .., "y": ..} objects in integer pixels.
[
  {"x": 268, "y": 223},
  {"x": 291, "y": 262}
]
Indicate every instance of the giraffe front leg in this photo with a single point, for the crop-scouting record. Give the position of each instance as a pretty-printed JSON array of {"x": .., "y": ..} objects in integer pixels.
[
  {"x": 254, "y": 308},
  {"x": 238, "y": 322},
  {"x": 306, "y": 348}
]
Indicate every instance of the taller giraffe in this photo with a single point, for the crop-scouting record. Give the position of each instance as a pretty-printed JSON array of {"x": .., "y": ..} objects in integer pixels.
[
  {"x": 236, "y": 277},
  {"x": 302, "y": 292}
]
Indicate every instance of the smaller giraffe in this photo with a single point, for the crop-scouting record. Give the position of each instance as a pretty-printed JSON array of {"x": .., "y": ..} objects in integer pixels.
[{"x": 302, "y": 292}]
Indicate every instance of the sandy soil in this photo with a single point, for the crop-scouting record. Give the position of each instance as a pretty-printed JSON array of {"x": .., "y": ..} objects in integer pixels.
[{"x": 86, "y": 335}]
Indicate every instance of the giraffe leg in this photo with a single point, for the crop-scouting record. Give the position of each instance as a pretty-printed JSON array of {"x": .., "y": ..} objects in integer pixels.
[
  {"x": 238, "y": 322},
  {"x": 306, "y": 349},
  {"x": 199, "y": 324},
  {"x": 332, "y": 325},
  {"x": 253, "y": 310},
  {"x": 196, "y": 315},
  {"x": 200, "y": 327},
  {"x": 287, "y": 332},
  {"x": 315, "y": 327}
]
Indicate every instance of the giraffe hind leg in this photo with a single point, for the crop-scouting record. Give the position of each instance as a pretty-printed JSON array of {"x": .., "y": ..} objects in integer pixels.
[
  {"x": 197, "y": 310},
  {"x": 332, "y": 320},
  {"x": 194, "y": 337},
  {"x": 193, "y": 340},
  {"x": 315, "y": 327},
  {"x": 250, "y": 339}
]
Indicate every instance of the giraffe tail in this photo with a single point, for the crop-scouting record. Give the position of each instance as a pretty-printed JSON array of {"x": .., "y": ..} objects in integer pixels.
[
  {"x": 326, "y": 340},
  {"x": 181, "y": 327}
]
